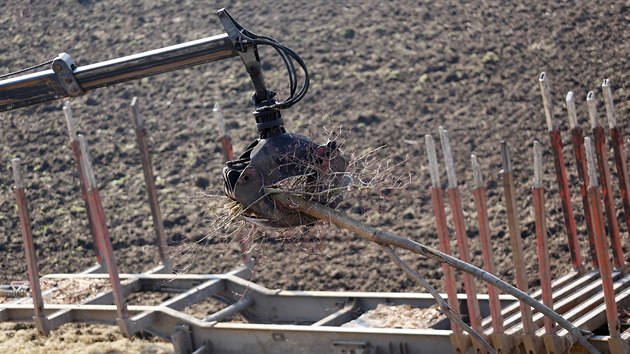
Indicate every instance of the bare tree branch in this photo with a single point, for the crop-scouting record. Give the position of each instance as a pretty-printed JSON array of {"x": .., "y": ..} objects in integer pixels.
[
  {"x": 436, "y": 295},
  {"x": 389, "y": 239}
]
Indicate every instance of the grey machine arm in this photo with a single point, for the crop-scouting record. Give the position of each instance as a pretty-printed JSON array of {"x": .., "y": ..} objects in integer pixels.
[{"x": 66, "y": 79}]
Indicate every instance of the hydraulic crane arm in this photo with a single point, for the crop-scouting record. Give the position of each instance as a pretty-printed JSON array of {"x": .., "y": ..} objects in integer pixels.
[
  {"x": 274, "y": 157},
  {"x": 65, "y": 79}
]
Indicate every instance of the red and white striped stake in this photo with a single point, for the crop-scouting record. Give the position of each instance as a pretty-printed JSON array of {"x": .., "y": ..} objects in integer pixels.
[
  {"x": 561, "y": 174},
  {"x": 437, "y": 198},
  {"x": 481, "y": 203},
  {"x": 29, "y": 250},
  {"x": 76, "y": 152},
  {"x": 542, "y": 246},
  {"x": 104, "y": 242},
  {"x": 226, "y": 139},
  {"x": 577, "y": 138},
  {"x": 455, "y": 203},
  {"x": 149, "y": 180},
  {"x": 605, "y": 271},
  {"x": 604, "y": 175},
  {"x": 228, "y": 155},
  {"x": 618, "y": 148},
  {"x": 515, "y": 236}
]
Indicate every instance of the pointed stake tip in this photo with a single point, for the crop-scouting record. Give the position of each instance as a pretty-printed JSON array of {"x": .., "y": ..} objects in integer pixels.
[
  {"x": 538, "y": 165},
  {"x": 591, "y": 162},
  {"x": 506, "y": 158},
  {"x": 17, "y": 172}
]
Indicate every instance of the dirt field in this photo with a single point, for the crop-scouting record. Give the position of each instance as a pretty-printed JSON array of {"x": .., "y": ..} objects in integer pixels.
[{"x": 384, "y": 73}]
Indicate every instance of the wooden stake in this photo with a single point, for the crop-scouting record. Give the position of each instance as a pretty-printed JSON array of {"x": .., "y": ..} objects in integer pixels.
[
  {"x": 577, "y": 138},
  {"x": 606, "y": 187},
  {"x": 442, "y": 230},
  {"x": 612, "y": 316},
  {"x": 455, "y": 203},
  {"x": 515, "y": 236},
  {"x": 149, "y": 180},
  {"x": 561, "y": 174},
  {"x": 105, "y": 244},
  {"x": 76, "y": 152},
  {"x": 619, "y": 151},
  {"x": 542, "y": 248},
  {"x": 39, "y": 317},
  {"x": 226, "y": 139},
  {"x": 481, "y": 203}
]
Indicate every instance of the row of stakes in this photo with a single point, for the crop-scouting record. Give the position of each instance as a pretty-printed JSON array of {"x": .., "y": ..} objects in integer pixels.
[
  {"x": 96, "y": 215},
  {"x": 591, "y": 161}
]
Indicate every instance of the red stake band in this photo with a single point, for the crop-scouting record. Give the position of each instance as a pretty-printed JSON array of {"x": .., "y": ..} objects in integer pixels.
[
  {"x": 607, "y": 192},
  {"x": 622, "y": 171},
  {"x": 76, "y": 152},
  {"x": 29, "y": 250},
  {"x": 577, "y": 137},
  {"x": 565, "y": 198}
]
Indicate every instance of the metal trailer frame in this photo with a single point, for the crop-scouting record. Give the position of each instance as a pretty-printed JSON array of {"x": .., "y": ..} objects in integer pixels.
[{"x": 281, "y": 321}]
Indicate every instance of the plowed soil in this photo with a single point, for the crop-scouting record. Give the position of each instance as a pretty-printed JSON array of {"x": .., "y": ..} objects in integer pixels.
[{"x": 384, "y": 73}]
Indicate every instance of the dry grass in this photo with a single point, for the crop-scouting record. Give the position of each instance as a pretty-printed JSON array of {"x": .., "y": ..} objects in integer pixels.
[
  {"x": 398, "y": 316},
  {"x": 75, "y": 338}
]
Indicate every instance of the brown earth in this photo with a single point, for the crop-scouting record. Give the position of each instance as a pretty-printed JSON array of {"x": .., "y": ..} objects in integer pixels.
[{"x": 385, "y": 73}]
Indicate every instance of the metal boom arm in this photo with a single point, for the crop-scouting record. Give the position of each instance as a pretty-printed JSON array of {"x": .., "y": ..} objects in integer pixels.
[{"x": 50, "y": 84}]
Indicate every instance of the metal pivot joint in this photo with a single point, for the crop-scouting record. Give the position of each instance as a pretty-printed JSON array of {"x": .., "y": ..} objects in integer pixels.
[
  {"x": 268, "y": 119},
  {"x": 63, "y": 66}
]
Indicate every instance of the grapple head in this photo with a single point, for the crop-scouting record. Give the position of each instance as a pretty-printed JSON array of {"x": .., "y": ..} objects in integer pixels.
[
  {"x": 287, "y": 161},
  {"x": 279, "y": 158}
]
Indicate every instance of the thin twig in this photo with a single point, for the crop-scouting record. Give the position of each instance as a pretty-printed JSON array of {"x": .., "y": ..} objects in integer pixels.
[
  {"x": 436, "y": 295},
  {"x": 386, "y": 238}
]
